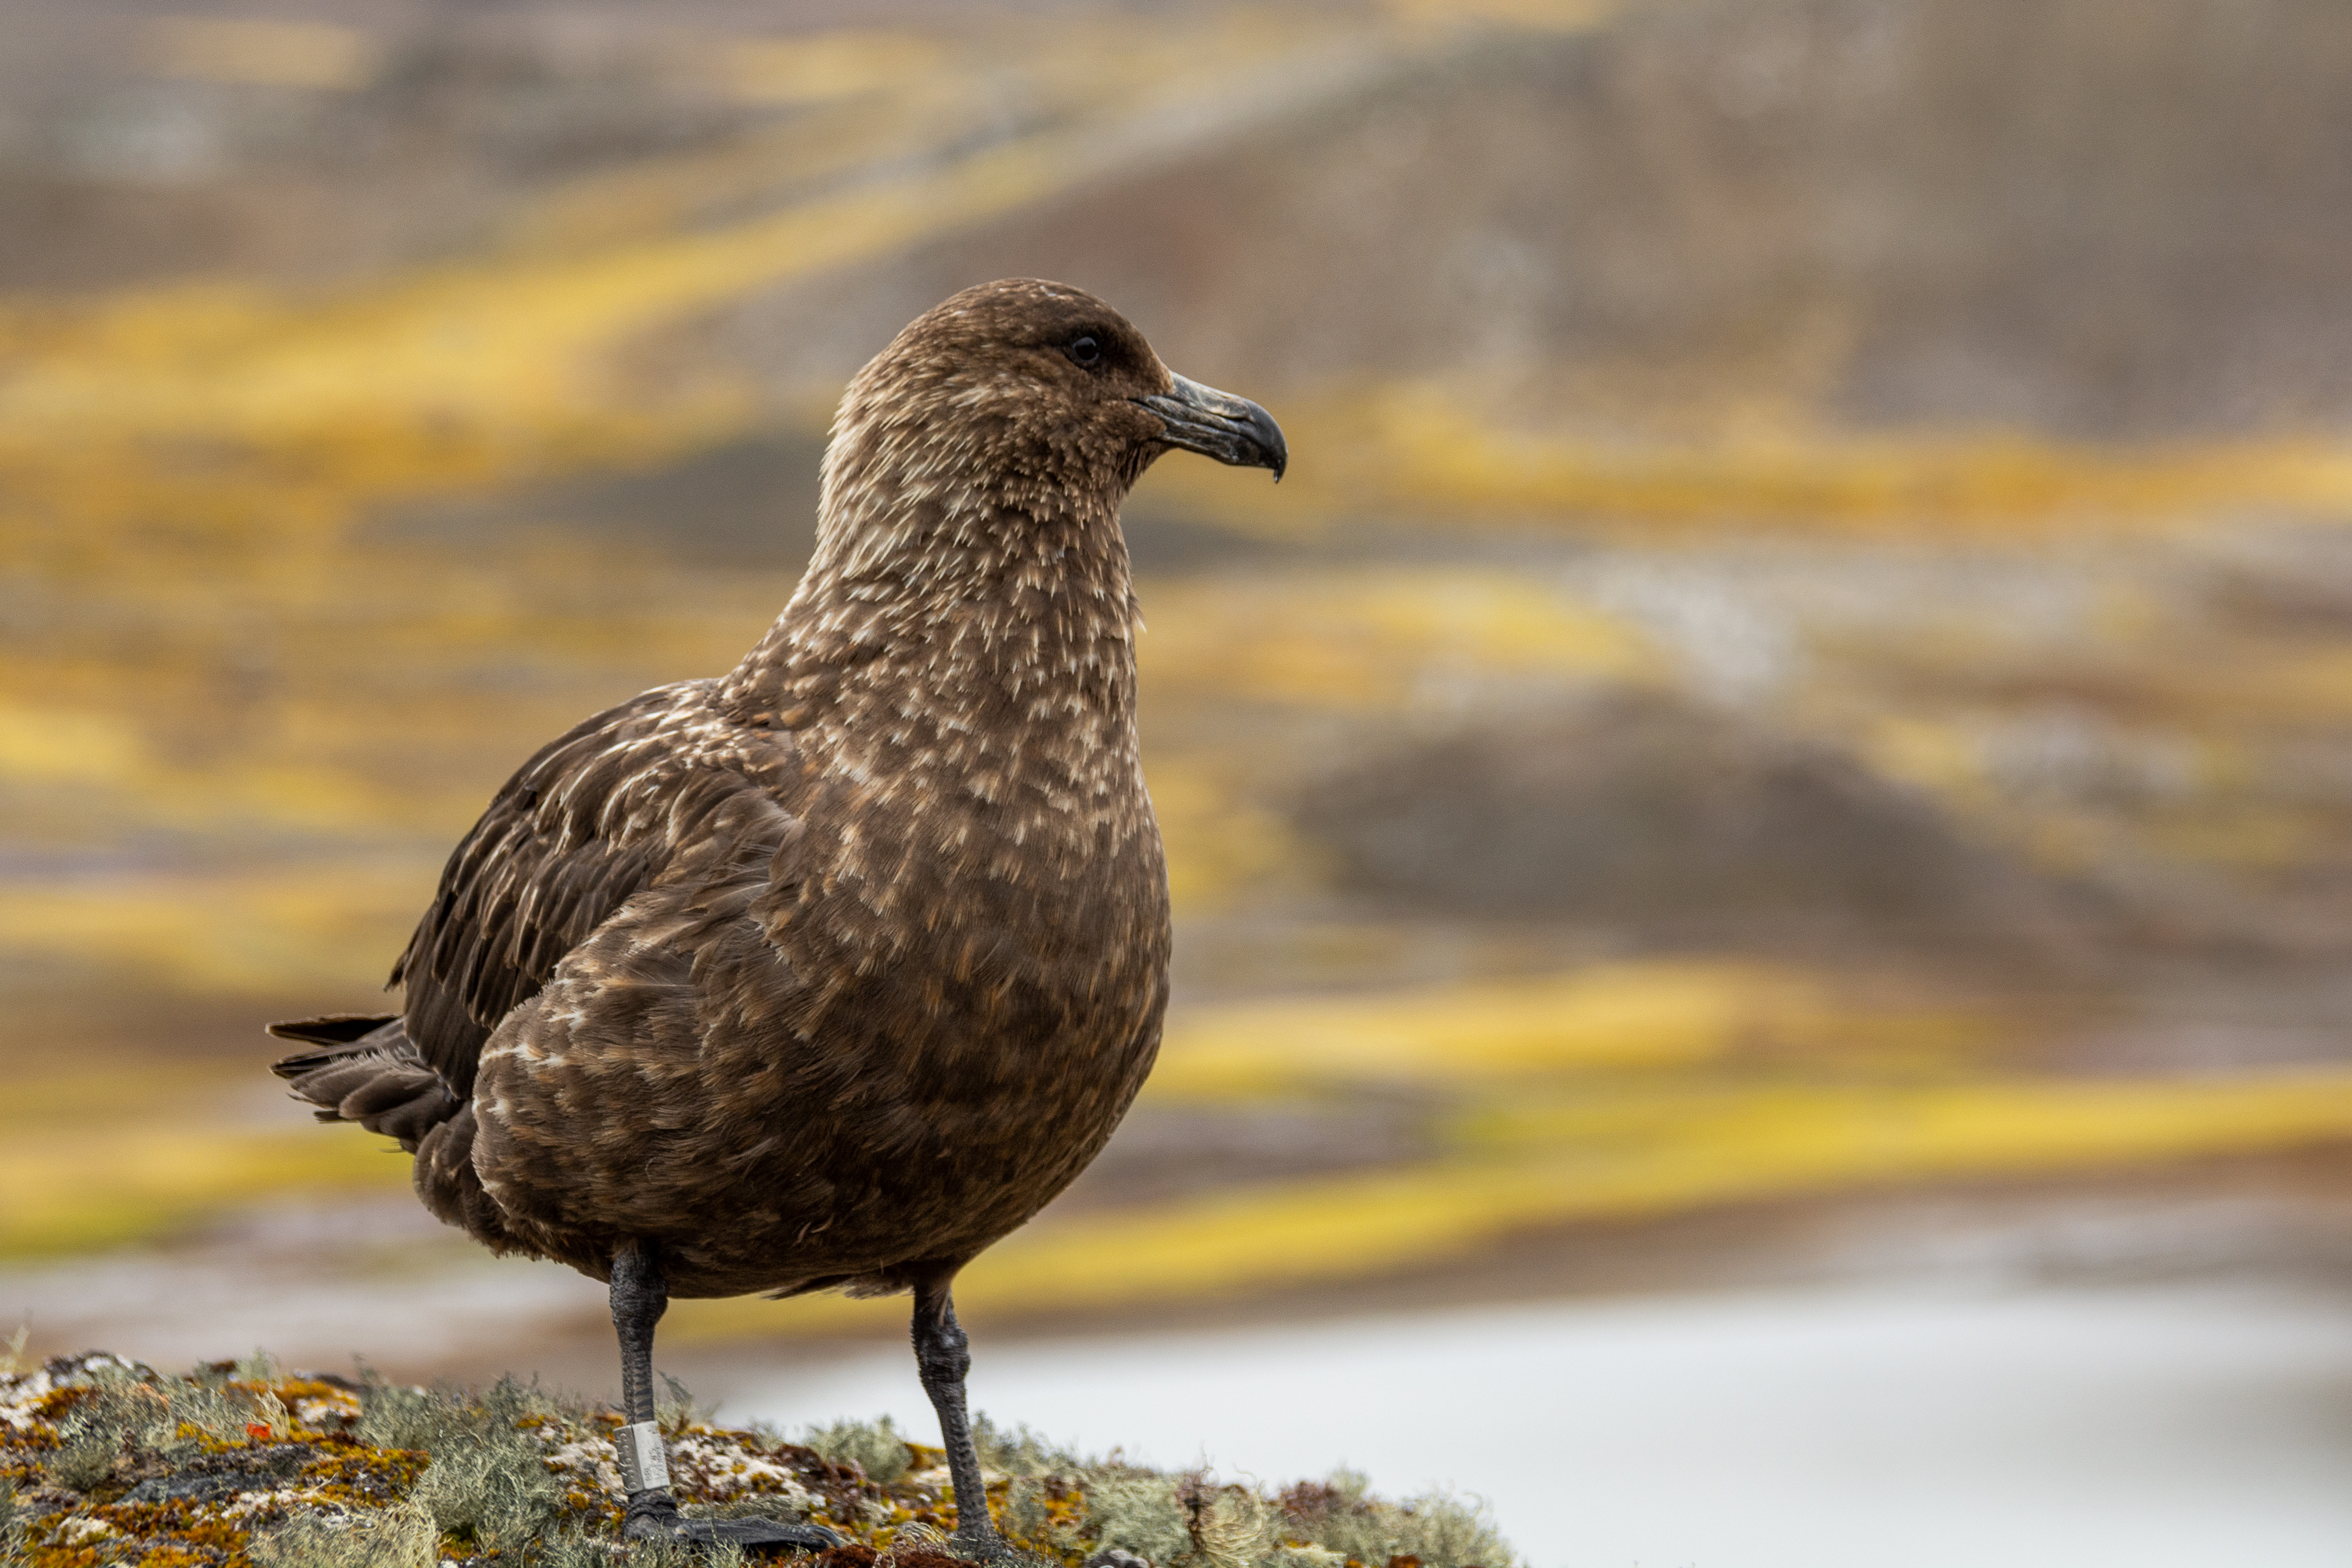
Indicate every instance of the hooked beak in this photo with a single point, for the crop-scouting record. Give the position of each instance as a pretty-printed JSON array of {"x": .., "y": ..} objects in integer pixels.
[{"x": 1233, "y": 429}]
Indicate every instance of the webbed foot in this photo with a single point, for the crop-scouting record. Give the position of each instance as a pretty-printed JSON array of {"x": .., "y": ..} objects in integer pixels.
[{"x": 654, "y": 1516}]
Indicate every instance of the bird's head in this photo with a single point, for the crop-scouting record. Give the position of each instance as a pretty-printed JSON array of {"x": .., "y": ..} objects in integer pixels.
[{"x": 1038, "y": 393}]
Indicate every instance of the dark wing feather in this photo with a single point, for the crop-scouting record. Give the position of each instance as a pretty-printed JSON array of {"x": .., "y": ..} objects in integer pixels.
[{"x": 577, "y": 832}]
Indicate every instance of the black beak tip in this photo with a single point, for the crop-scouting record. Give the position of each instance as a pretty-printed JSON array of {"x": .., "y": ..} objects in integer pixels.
[{"x": 1268, "y": 437}]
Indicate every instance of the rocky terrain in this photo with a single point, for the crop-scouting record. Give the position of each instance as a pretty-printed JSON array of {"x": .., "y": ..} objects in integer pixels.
[{"x": 104, "y": 1460}]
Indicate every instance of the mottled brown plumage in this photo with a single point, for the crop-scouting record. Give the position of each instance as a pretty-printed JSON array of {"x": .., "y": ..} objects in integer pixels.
[{"x": 833, "y": 971}]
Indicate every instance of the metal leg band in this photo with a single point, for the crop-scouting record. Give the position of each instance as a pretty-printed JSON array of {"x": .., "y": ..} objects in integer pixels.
[{"x": 643, "y": 1462}]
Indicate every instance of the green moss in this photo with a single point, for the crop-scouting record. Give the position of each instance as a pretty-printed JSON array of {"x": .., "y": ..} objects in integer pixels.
[
  {"x": 126, "y": 1416},
  {"x": 579, "y": 1551},
  {"x": 240, "y": 1465},
  {"x": 499, "y": 1496},
  {"x": 1436, "y": 1528},
  {"x": 1137, "y": 1513},
  {"x": 876, "y": 1447},
  {"x": 12, "y": 1527},
  {"x": 403, "y": 1536},
  {"x": 488, "y": 1484}
]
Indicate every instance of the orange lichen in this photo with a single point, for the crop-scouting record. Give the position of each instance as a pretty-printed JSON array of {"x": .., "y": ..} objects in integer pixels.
[{"x": 330, "y": 1467}]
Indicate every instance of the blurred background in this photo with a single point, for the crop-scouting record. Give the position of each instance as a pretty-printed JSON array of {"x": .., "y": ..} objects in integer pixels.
[{"x": 1762, "y": 830}]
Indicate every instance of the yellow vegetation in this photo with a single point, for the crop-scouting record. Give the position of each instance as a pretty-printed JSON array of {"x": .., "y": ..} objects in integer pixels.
[
  {"x": 1216, "y": 843},
  {"x": 1667, "y": 1153},
  {"x": 473, "y": 371},
  {"x": 1610, "y": 1156},
  {"x": 1433, "y": 452},
  {"x": 85, "y": 1187},
  {"x": 1634, "y": 1015},
  {"x": 1374, "y": 637},
  {"x": 271, "y": 54},
  {"x": 1549, "y": 16},
  {"x": 209, "y": 650},
  {"x": 819, "y": 67},
  {"x": 252, "y": 935}
]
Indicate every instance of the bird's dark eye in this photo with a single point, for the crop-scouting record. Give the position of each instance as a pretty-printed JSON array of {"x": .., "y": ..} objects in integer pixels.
[{"x": 1085, "y": 351}]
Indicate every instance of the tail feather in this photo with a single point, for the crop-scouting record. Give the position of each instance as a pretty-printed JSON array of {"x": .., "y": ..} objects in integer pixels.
[
  {"x": 334, "y": 1028},
  {"x": 366, "y": 1071},
  {"x": 363, "y": 1068}
]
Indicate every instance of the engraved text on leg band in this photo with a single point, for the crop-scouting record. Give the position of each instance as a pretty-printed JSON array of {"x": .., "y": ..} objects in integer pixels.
[{"x": 642, "y": 1463}]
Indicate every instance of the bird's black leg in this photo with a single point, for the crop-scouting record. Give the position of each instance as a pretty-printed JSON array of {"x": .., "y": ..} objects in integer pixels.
[
  {"x": 942, "y": 1358},
  {"x": 640, "y": 1295}
]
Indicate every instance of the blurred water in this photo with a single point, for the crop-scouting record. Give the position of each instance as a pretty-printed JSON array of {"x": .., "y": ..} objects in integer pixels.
[{"x": 1852, "y": 1428}]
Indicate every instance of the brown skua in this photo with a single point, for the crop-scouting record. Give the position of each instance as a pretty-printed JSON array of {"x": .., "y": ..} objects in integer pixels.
[{"x": 831, "y": 971}]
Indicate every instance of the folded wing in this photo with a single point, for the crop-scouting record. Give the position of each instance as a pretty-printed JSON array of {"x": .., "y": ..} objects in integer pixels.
[{"x": 601, "y": 813}]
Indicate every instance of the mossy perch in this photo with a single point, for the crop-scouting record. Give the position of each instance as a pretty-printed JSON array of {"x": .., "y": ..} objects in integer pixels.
[{"x": 242, "y": 1465}]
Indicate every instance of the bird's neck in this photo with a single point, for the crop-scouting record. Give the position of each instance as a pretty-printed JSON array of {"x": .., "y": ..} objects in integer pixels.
[{"x": 987, "y": 649}]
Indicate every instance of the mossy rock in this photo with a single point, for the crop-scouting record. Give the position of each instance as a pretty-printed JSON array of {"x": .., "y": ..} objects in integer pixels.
[{"x": 243, "y": 1465}]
